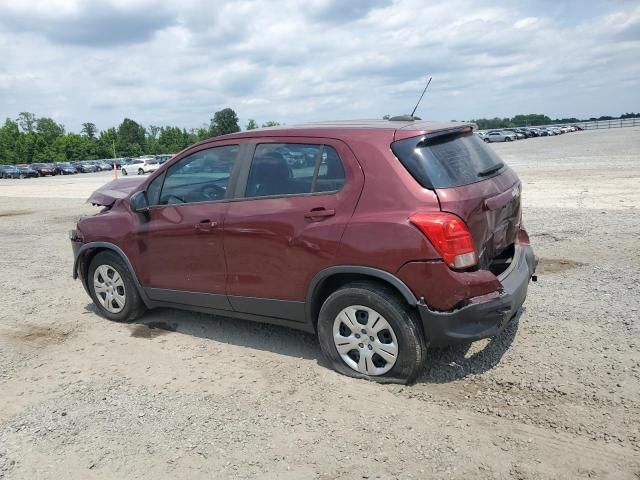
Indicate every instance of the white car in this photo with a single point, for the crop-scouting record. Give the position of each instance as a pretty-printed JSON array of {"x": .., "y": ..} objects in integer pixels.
[
  {"x": 140, "y": 166},
  {"x": 499, "y": 136}
]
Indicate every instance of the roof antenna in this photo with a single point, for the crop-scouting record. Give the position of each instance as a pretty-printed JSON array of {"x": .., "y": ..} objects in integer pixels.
[
  {"x": 411, "y": 118},
  {"x": 420, "y": 99}
]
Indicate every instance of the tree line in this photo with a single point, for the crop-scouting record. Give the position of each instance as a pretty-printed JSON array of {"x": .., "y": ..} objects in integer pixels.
[
  {"x": 534, "y": 119},
  {"x": 32, "y": 139}
]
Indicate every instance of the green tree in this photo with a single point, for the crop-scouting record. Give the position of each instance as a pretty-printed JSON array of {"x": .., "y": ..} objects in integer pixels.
[
  {"x": 251, "y": 124},
  {"x": 107, "y": 141},
  {"x": 74, "y": 147},
  {"x": 26, "y": 147},
  {"x": 9, "y": 134},
  {"x": 27, "y": 121},
  {"x": 131, "y": 138},
  {"x": 172, "y": 139},
  {"x": 49, "y": 129},
  {"x": 270, "y": 123},
  {"x": 89, "y": 130},
  {"x": 223, "y": 122}
]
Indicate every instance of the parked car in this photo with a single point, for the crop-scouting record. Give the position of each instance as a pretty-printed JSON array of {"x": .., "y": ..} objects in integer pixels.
[
  {"x": 140, "y": 166},
  {"x": 555, "y": 130},
  {"x": 9, "y": 171},
  {"x": 499, "y": 136},
  {"x": 26, "y": 171},
  {"x": 429, "y": 250},
  {"x": 44, "y": 169},
  {"x": 101, "y": 165},
  {"x": 520, "y": 135},
  {"x": 85, "y": 167},
  {"x": 118, "y": 162},
  {"x": 163, "y": 158},
  {"x": 65, "y": 168},
  {"x": 525, "y": 132}
]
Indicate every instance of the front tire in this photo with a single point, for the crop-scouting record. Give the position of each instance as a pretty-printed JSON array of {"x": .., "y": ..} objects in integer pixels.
[
  {"x": 112, "y": 288},
  {"x": 124, "y": 171},
  {"x": 367, "y": 331}
]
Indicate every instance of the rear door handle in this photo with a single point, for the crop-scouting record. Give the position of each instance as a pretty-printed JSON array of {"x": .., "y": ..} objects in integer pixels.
[
  {"x": 205, "y": 226},
  {"x": 319, "y": 213}
]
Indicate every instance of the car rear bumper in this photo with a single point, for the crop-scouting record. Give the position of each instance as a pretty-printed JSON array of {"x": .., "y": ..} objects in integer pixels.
[{"x": 487, "y": 315}]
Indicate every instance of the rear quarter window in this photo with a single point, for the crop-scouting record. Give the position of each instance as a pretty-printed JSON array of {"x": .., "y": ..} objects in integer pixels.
[{"x": 448, "y": 160}]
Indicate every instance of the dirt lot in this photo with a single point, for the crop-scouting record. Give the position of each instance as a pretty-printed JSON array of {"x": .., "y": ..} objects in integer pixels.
[{"x": 187, "y": 395}]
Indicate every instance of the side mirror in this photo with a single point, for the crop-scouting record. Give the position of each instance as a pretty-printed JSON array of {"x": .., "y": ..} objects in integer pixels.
[{"x": 139, "y": 203}]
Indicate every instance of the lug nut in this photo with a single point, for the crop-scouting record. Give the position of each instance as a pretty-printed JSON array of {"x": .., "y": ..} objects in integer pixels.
[
  {"x": 371, "y": 338},
  {"x": 361, "y": 345},
  {"x": 357, "y": 335},
  {"x": 369, "y": 347},
  {"x": 363, "y": 331}
]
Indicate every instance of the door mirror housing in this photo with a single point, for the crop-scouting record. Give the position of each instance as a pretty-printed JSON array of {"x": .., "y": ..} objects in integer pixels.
[{"x": 139, "y": 203}]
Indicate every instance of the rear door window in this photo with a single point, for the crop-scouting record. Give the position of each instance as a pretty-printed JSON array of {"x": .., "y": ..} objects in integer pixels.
[
  {"x": 294, "y": 169},
  {"x": 448, "y": 160}
]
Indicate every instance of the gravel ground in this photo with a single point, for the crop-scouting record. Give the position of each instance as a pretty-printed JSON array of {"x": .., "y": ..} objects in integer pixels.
[{"x": 187, "y": 395}]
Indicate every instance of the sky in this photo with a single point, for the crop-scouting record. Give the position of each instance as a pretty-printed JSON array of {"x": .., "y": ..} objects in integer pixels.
[{"x": 175, "y": 62}]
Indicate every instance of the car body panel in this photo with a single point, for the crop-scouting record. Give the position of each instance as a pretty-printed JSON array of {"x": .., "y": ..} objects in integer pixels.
[
  {"x": 114, "y": 190},
  {"x": 273, "y": 250},
  {"x": 193, "y": 233},
  {"x": 491, "y": 210}
]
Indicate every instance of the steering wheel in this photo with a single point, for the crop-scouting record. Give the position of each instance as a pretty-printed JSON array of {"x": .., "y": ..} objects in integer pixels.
[{"x": 212, "y": 191}]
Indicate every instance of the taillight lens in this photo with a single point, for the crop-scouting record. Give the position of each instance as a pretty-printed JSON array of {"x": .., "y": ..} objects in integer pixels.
[{"x": 450, "y": 236}]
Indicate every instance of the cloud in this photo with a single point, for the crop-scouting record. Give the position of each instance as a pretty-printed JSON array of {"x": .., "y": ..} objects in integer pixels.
[
  {"x": 340, "y": 11},
  {"x": 99, "y": 23},
  {"x": 178, "y": 61}
]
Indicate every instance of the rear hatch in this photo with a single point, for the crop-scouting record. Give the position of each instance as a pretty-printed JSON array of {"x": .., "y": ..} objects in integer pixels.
[{"x": 471, "y": 182}]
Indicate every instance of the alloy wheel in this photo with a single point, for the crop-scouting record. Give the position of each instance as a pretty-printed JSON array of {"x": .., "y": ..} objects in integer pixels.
[
  {"x": 365, "y": 340},
  {"x": 109, "y": 288}
]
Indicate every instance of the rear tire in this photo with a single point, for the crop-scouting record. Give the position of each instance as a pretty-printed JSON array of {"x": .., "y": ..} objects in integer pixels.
[
  {"x": 401, "y": 332},
  {"x": 486, "y": 140},
  {"x": 140, "y": 171},
  {"x": 113, "y": 289}
]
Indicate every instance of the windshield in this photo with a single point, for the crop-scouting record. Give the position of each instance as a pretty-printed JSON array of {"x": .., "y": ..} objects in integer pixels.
[{"x": 447, "y": 160}]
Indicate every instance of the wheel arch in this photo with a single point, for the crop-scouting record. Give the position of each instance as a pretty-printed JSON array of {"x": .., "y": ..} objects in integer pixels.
[
  {"x": 89, "y": 250},
  {"x": 330, "y": 279}
]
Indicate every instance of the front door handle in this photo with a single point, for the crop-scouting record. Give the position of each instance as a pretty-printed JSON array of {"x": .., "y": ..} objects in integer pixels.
[
  {"x": 320, "y": 213},
  {"x": 205, "y": 226}
]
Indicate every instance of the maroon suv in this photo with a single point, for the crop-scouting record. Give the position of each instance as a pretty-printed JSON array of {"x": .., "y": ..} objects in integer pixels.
[{"x": 383, "y": 237}]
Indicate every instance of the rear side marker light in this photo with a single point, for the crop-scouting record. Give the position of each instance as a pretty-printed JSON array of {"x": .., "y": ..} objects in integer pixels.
[{"x": 450, "y": 237}]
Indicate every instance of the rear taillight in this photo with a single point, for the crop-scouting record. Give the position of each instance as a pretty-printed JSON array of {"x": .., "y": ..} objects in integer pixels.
[{"x": 450, "y": 236}]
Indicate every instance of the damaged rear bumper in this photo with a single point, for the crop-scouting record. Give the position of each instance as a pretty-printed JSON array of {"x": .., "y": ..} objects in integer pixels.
[{"x": 484, "y": 316}]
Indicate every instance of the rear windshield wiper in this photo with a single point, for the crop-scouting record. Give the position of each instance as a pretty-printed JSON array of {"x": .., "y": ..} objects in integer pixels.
[{"x": 491, "y": 170}]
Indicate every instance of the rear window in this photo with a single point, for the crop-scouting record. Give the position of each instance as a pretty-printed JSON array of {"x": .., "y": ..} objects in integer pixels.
[{"x": 447, "y": 160}]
